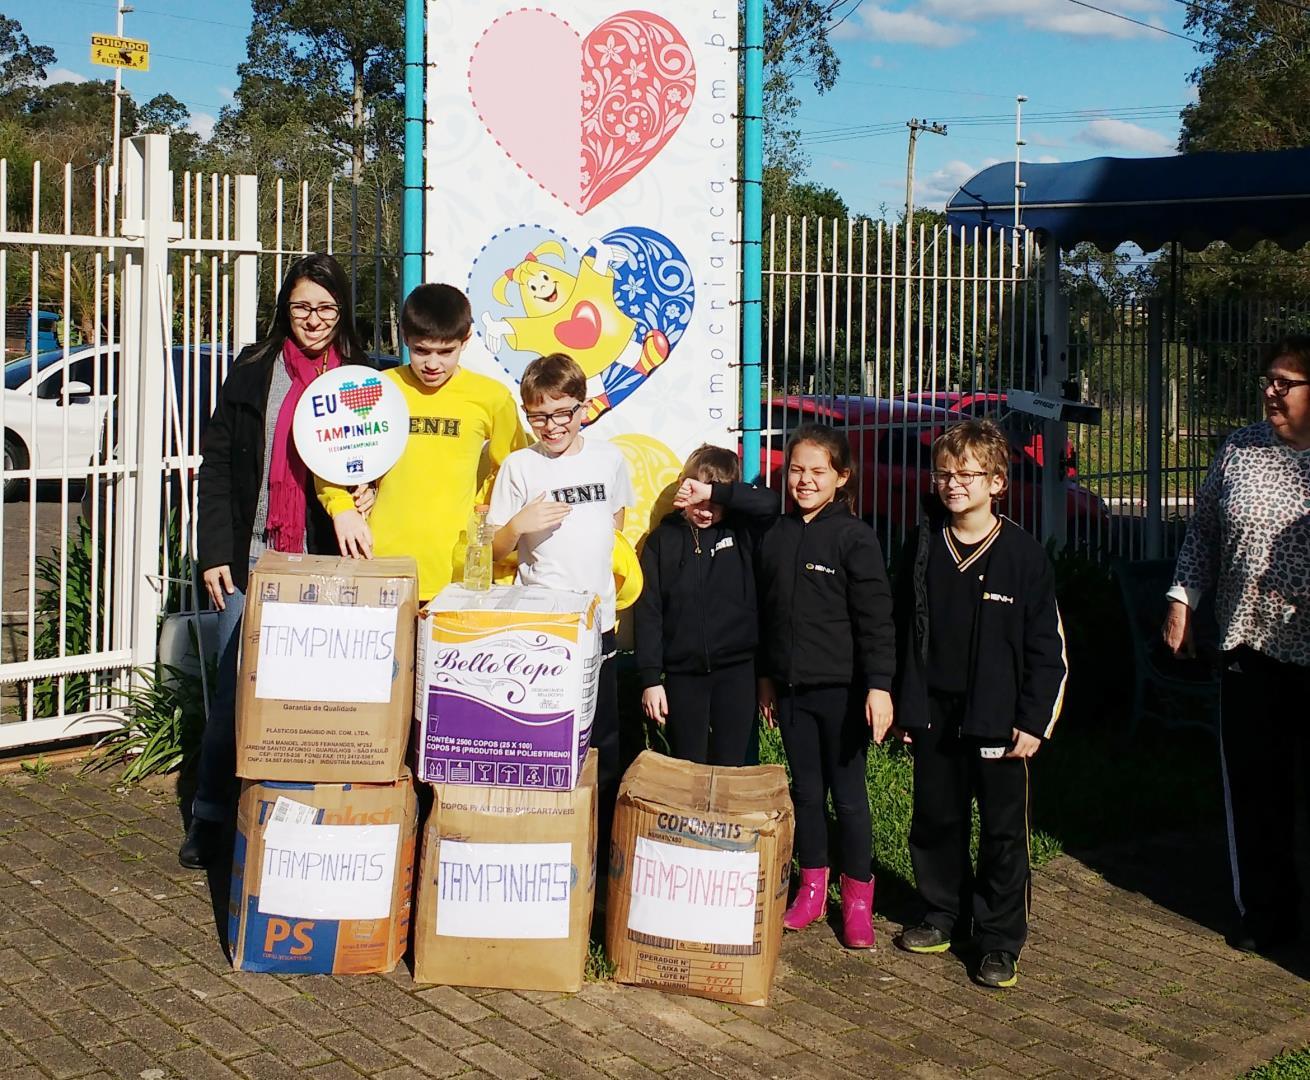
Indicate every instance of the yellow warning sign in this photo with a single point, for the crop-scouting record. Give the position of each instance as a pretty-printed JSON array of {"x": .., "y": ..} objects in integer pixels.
[{"x": 120, "y": 52}]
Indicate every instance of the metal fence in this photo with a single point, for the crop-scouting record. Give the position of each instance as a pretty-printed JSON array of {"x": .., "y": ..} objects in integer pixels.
[
  {"x": 125, "y": 305},
  {"x": 127, "y": 302}
]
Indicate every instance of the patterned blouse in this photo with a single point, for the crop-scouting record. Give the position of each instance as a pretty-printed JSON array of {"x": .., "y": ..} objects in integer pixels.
[{"x": 1249, "y": 539}]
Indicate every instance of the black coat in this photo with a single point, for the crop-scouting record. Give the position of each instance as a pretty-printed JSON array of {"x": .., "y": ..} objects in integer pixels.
[
  {"x": 824, "y": 599},
  {"x": 1018, "y": 669},
  {"x": 697, "y": 612},
  {"x": 232, "y": 469}
]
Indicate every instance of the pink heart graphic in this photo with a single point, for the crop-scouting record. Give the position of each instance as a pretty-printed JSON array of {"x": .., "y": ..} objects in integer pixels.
[
  {"x": 582, "y": 331},
  {"x": 361, "y": 399},
  {"x": 582, "y": 116}
]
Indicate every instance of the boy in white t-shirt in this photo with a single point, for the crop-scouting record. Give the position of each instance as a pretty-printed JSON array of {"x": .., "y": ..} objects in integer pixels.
[{"x": 559, "y": 502}]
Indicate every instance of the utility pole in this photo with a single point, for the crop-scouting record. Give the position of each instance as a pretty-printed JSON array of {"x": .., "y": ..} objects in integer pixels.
[
  {"x": 121, "y": 9},
  {"x": 907, "y": 241}
]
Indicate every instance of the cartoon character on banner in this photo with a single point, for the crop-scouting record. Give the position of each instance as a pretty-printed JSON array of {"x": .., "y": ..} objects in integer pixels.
[{"x": 619, "y": 309}]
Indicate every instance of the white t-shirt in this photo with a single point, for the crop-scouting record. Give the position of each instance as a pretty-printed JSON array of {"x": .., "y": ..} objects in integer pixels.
[{"x": 579, "y": 553}]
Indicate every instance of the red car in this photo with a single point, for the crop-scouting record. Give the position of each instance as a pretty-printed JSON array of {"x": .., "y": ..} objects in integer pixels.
[
  {"x": 891, "y": 441},
  {"x": 1021, "y": 427}
]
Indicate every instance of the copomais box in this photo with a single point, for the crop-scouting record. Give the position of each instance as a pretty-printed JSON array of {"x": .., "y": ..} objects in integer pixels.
[{"x": 698, "y": 875}]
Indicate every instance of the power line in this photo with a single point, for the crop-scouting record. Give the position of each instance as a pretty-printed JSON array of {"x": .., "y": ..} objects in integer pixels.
[
  {"x": 99, "y": 4},
  {"x": 232, "y": 66},
  {"x": 1141, "y": 112},
  {"x": 1135, "y": 22}
]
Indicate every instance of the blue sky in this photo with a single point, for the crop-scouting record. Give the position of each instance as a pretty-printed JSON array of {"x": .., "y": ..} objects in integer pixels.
[{"x": 1105, "y": 85}]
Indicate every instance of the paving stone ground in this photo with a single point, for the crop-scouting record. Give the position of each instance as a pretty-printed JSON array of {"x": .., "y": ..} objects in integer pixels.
[{"x": 110, "y": 966}]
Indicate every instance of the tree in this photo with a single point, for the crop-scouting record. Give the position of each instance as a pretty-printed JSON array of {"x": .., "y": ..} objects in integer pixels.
[
  {"x": 22, "y": 64},
  {"x": 330, "y": 67},
  {"x": 163, "y": 114},
  {"x": 1255, "y": 79}
]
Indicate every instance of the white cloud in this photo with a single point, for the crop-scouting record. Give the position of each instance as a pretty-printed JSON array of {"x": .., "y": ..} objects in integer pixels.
[
  {"x": 226, "y": 93},
  {"x": 909, "y": 27},
  {"x": 1048, "y": 159},
  {"x": 1054, "y": 16},
  {"x": 64, "y": 75},
  {"x": 938, "y": 186},
  {"x": 877, "y": 63},
  {"x": 1121, "y": 135},
  {"x": 202, "y": 124},
  {"x": 838, "y": 165}
]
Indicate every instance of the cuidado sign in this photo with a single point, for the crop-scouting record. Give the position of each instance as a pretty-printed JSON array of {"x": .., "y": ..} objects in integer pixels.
[{"x": 350, "y": 425}]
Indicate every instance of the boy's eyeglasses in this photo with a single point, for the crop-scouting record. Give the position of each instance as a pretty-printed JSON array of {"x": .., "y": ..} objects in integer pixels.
[
  {"x": 967, "y": 479},
  {"x": 301, "y": 311},
  {"x": 1280, "y": 387},
  {"x": 559, "y": 419}
]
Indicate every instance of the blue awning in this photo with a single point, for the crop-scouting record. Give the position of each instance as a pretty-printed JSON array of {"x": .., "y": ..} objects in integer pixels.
[{"x": 1194, "y": 199}]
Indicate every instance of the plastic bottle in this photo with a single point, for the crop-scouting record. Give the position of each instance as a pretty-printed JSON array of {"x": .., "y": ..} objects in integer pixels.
[{"x": 477, "y": 557}]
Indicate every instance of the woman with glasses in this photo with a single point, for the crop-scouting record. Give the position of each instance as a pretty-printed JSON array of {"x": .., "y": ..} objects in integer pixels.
[
  {"x": 1248, "y": 542},
  {"x": 255, "y": 494}
]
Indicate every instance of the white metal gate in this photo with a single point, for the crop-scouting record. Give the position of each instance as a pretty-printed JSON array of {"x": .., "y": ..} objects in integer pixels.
[{"x": 126, "y": 320}]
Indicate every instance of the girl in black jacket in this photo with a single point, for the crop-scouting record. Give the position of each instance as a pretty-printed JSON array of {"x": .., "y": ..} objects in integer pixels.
[
  {"x": 696, "y": 622},
  {"x": 827, "y": 659},
  {"x": 255, "y": 494}
]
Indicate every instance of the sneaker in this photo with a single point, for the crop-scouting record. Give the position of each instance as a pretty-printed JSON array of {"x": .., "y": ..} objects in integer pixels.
[
  {"x": 1266, "y": 940},
  {"x": 924, "y": 938},
  {"x": 998, "y": 969}
]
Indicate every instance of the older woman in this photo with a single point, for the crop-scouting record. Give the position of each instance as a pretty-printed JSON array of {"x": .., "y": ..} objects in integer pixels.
[
  {"x": 256, "y": 495},
  {"x": 1249, "y": 541}
]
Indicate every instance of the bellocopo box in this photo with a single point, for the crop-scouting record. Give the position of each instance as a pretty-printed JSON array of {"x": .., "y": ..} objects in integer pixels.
[
  {"x": 506, "y": 886},
  {"x": 326, "y": 686},
  {"x": 698, "y": 875},
  {"x": 506, "y": 686},
  {"x": 322, "y": 876}
]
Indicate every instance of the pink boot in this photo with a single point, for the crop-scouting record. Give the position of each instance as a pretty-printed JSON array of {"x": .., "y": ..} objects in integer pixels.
[
  {"x": 811, "y": 899},
  {"x": 857, "y": 913}
]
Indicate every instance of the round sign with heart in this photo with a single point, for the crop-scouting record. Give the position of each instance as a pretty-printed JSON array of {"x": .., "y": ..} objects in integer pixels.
[{"x": 350, "y": 425}]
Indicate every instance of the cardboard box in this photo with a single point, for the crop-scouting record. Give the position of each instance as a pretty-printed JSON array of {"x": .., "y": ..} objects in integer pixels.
[
  {"x": 506, "y": 886},
  {"x": 699, "y": 865},
  {"x": 506, "y": 686},
  {"x": 322, "y": 876},
  {"x": 326, "y": 682}
]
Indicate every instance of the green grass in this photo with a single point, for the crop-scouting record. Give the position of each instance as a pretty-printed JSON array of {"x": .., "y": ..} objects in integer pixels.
[{"x": 1292, "y": 1065}]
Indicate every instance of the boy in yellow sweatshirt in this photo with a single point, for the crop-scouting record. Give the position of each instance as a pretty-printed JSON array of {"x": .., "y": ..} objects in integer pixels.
[{"x": 424, "y": 502}]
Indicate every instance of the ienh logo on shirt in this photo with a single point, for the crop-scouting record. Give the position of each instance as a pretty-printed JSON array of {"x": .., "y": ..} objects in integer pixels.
[
  {"x": 579, "y": 493},
  {"x": 434, "y": 425}
]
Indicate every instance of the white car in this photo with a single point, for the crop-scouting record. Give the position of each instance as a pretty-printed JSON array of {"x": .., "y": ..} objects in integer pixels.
[{"x": 38, "y": 408}]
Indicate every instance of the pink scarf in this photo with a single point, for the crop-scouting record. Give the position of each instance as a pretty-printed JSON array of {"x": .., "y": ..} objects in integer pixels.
[{"x": 287, "y": 476}]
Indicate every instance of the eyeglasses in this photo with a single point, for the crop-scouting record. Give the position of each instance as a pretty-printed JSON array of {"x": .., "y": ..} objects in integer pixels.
[
  {"x": 965, "y": 479},
  {"x": 559, "y": 419},
  {"x": 300, "y": 311},
  {"x": 1280, "y": 387}
]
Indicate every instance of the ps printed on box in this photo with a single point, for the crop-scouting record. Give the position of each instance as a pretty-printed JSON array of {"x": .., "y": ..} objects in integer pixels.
[{"x": 506, "y": 686}]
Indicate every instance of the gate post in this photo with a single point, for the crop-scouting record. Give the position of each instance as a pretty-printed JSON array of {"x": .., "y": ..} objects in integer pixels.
[
  {"x": 1055, "y": 310},
  {"x": 147, "y": 215},
  {"x": 245, "y": 267},
  {"x": 1154, "y": 428}
]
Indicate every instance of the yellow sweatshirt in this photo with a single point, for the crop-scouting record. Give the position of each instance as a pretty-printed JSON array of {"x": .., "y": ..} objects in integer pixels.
[{"x": 424, "y": 502}]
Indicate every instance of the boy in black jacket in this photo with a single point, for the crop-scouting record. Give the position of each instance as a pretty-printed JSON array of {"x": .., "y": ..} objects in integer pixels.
[
  {"x": 696, "y": 623},
  {"x": 980, "y": 683}
]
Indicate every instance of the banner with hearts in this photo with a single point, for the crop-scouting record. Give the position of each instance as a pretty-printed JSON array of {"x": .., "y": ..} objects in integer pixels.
[
  {"x": 590, "y": 113},
  {"x": 581, "y": 186},
  {"x": 619, "y": 306}
]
